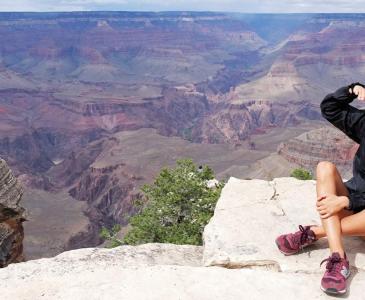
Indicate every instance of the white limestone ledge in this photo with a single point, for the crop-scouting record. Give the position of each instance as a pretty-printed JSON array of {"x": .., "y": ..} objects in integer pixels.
[
  {"x": 154, "y": 272},
  {"x": 239, "y": 258},
  {"x": 250, "y": 214}
]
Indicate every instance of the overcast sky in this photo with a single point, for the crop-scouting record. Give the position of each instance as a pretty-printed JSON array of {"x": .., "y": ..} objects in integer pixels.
[{"x": 265, "y": 6}]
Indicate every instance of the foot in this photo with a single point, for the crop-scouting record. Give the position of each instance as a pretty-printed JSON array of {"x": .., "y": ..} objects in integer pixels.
[
  {"x": 292, "y": 243},
  {"x": 337, "y": 271}
]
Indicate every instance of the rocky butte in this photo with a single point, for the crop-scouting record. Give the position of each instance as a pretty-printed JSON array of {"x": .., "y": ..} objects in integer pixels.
[
  {"x": 238, "y": 258},
  {"x": 327, "y": 143}
]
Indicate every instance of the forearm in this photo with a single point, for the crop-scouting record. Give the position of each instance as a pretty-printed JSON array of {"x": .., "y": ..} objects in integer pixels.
[{"x": 335, "y": 108}]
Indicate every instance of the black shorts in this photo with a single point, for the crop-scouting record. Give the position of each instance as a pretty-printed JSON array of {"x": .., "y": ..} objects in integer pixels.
[{"x": 351, "y": 188}]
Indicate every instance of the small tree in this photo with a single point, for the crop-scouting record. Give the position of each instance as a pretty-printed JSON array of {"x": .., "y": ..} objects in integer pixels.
[
  {"x": 179, "y": 206},
  {"x": 111, "y": 235},
  {"x": 301, "y": 173}
]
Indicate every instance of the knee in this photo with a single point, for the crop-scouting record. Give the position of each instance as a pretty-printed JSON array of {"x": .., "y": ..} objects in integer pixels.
[{"x": 325, "y": 168}]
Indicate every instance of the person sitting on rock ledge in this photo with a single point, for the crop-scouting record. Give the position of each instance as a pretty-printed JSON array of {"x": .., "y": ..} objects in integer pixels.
[{"x": 340, "y": 204}]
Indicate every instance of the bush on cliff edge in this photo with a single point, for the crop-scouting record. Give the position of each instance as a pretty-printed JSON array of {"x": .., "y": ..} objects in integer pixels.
[
  {"x": 179, "y": 205},
  {"x": 302, "y": 174}
]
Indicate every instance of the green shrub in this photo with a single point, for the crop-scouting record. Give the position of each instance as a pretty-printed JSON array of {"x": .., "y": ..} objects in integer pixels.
[
  {"x": 179, "y": 205},
  {"x": 302, "y": 174},
  {"x": 111, "y": 235}
]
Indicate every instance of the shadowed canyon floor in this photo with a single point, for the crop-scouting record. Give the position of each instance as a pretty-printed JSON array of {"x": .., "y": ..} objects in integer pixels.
[
  {"x": 129, "y": 159},
  {"x": 53, "y": 219}
]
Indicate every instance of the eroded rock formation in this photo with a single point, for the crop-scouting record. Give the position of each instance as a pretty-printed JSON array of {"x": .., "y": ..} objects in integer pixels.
[
  {"x": 327, "y": 143},
  {"x": 236, "y": 122},
  {"x": 207, "y": 77},
  {"x": 11, "y": 217}
]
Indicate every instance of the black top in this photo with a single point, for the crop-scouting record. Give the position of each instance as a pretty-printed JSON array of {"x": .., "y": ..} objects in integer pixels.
[{"x": 351, "y": 120}]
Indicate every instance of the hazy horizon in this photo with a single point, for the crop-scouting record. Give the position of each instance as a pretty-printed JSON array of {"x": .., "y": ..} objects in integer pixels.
[
  {"x": 230, "y": 6},
  {"x": 176, "y": 11}
]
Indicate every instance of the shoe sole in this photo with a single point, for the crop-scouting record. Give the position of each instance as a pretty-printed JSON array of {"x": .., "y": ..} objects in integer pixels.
[{"x": 333, "y": 291}]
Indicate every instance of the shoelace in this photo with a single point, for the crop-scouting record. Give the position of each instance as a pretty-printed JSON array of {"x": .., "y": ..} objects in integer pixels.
[
  {"x": 303, "y": 237},
  {"x": 333, "y": 264}
]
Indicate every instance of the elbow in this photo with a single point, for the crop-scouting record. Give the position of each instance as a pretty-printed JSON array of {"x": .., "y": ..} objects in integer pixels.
[
  {"x": 323, "y": 110},
  {"x": 322, "y": 107},
  {"x": 324, "y": 104}
]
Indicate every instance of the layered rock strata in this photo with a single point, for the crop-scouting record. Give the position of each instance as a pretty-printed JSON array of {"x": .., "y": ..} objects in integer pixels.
[
  {"x": 11, "y": 217},
  {"x": 233, "y": 123},
  {"x": 327, "y": 143}
]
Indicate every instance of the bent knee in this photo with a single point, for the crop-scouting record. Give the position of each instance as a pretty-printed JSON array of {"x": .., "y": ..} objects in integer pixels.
[{"x": 325, "y": 168}]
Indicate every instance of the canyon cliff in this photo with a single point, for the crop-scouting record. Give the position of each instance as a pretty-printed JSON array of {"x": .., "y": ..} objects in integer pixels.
[
  {"x": 12, "y": 216},
  {"x": 93, "y": 104}
]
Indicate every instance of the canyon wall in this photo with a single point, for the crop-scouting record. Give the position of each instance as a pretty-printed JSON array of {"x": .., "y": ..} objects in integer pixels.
[
  {"x": 73, "y": 86},
  {"x": 12, "y": 215}
]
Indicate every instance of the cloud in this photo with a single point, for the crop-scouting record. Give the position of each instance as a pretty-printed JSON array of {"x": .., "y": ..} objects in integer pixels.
[{"x": 266, "y": 6}]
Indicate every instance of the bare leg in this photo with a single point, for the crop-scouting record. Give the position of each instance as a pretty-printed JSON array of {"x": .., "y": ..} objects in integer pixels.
[
  {"x": 329, "y": 181},
  {"x": 352, "y": 224}
]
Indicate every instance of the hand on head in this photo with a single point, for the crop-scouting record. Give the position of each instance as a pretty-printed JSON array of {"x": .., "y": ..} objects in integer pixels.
[{"x": 359, "y": 91}]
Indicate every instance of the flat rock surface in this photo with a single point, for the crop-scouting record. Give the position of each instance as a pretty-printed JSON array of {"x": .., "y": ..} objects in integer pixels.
[
  {"x": 250, "y": 214},
  {"x": 239, "y": 259},
  {"x": 153, "y": 271},
  {"x": 122, "y": 256}
]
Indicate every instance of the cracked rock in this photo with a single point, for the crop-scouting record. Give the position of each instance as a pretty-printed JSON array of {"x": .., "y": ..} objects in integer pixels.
[{"x": 257, "y": 220}]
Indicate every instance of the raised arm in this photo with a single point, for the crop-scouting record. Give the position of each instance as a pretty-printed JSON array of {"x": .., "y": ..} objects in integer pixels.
[{"x": 336, "y": 109}]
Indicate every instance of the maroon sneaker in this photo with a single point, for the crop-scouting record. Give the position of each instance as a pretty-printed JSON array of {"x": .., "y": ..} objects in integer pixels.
[
  {"x": 292, "y": 243},
  {"x": 337, "y": 271}
]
